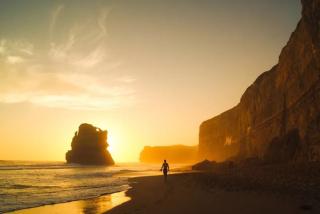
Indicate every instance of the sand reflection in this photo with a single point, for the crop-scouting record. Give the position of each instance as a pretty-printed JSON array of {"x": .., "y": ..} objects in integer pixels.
[
  {"x": 103, "y": 203},
  {"x": 89, "y": 206}
]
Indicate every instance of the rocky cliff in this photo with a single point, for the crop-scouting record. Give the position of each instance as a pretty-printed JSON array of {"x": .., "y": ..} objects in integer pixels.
[
  {"x": 173, "y": 154},
  {"x": 89, "y": 146},
  {"x": 278, "y": 117}
]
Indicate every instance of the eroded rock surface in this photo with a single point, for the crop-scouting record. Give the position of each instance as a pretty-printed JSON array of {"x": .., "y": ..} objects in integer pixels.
[{"x": 278, "y": 117}]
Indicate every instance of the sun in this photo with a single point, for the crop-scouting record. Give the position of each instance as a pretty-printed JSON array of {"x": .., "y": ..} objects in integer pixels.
[{"x": 112, "y": 141}]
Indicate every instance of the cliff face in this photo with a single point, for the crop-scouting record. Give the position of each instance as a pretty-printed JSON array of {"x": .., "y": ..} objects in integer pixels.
[
  {"x": 278, "y": 117},
  {"x": 173, "y": 154},
  {"x": 89, "y": 146}
]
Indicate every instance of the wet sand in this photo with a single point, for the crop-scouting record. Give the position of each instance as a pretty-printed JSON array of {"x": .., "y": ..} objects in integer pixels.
[{"x": 95, "y": 205}]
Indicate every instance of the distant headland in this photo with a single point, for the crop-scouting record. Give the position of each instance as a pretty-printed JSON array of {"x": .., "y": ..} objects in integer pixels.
[{"x": 174, "y": 153}]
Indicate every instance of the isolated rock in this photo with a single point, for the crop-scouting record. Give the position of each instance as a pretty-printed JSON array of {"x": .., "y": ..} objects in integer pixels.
[
  {"x": 280, "y": 110},
  {"x": 89, "y": 146}
]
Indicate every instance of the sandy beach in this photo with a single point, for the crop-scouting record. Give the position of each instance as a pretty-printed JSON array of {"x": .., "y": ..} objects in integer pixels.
[{"x": 186, "y": 193}]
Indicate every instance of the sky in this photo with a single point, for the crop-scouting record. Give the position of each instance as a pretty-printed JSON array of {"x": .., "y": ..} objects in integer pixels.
[{"x": 148, "y": 71}]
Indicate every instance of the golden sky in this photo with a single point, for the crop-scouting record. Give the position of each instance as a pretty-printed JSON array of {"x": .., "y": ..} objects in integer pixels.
[{"x": 148, "y": 71}]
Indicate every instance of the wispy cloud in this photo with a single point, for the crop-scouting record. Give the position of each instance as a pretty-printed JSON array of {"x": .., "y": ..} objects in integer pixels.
[
  {"x": 14, "y": 59},
  {"x": 2, "y": 46},
  {"x": 102, "y": 21},
  {"x": 54, "y": 17},
  {"x": 21, "y": 47},
  {"x": 77, "y": 71},
  {"x": 126, "y": 79},
  {"x": 92, "y": 59},
  {"x": 58, "y": 87}
]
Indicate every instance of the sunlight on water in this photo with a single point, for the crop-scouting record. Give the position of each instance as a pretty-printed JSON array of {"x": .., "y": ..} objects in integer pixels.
[{"x": 25, "y": 184}]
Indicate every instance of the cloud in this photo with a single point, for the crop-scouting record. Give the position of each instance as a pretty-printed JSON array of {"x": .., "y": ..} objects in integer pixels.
[
  {"x": 126, "y": 79},
  {"x": 2, "y": 46},
  {"x": 76, "y": 71},
  {"x": 73, "y": 102},
  {"x": 61, "y": 51},
  {"x": 102, "y": 21},
  {"x": 14, "y": 59},
  {"x": 21, "y": 47},
  {"x": 54, "y": 17},
  {"x": 92, "y": 59},
  {"x": 63, "y": 88},
  {"x": 27, "y": 51}
]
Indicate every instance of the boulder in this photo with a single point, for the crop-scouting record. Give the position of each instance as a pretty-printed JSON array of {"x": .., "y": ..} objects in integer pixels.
[{"x": 204, "y": 165}]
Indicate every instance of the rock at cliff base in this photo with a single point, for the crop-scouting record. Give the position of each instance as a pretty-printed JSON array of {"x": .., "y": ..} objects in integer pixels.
[
  {"x": 89, "y": 146},
  {"x": 204, "y": 165}
]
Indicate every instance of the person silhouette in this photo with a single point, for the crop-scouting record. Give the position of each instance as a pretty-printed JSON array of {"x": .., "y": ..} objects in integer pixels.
[{"x": 165, "y": 169}]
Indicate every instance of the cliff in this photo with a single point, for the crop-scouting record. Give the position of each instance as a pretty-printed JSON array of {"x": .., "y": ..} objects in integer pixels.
[
  {"x": 89, "y": 146},
  {"x": 278, "y": 117},
  {"x": 173, "y": 154}
]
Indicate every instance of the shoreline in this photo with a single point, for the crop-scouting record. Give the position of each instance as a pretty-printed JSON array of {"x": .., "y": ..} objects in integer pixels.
[
  {"x": 106, "y": 199},
  {"x": 188, "y": 192}
]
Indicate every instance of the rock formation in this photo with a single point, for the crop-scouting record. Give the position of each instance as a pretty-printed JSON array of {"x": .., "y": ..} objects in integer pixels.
[
  {"x": 89, "y": 146},
  {"x": 278, "y": 117},
  {"x": 174, "y": 154}
]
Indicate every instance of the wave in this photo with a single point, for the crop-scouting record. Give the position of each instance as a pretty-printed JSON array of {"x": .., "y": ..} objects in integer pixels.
[
  {"x": 51, "y": 201},
  {"x": 5, "y": 165},
  {"x": 24, "y": 186},
  {"x": 17, "y": 196}
]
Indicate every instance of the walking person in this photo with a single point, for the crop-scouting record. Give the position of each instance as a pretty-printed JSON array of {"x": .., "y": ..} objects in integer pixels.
[{"x": 165, "y": 169}]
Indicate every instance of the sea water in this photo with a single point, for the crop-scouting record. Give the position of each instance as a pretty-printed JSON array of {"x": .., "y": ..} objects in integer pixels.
[{"x": 25, "y": 184}]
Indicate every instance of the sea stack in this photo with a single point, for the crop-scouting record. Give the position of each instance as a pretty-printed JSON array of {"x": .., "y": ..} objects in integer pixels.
[{"x": 89, "y": 146}]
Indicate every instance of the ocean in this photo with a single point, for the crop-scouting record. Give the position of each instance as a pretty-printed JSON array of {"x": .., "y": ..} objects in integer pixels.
[{"x": 26, "y": 184}]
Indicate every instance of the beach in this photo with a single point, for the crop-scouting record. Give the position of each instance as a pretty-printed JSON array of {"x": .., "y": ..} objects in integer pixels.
[{"x": 190, "y": 192}]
